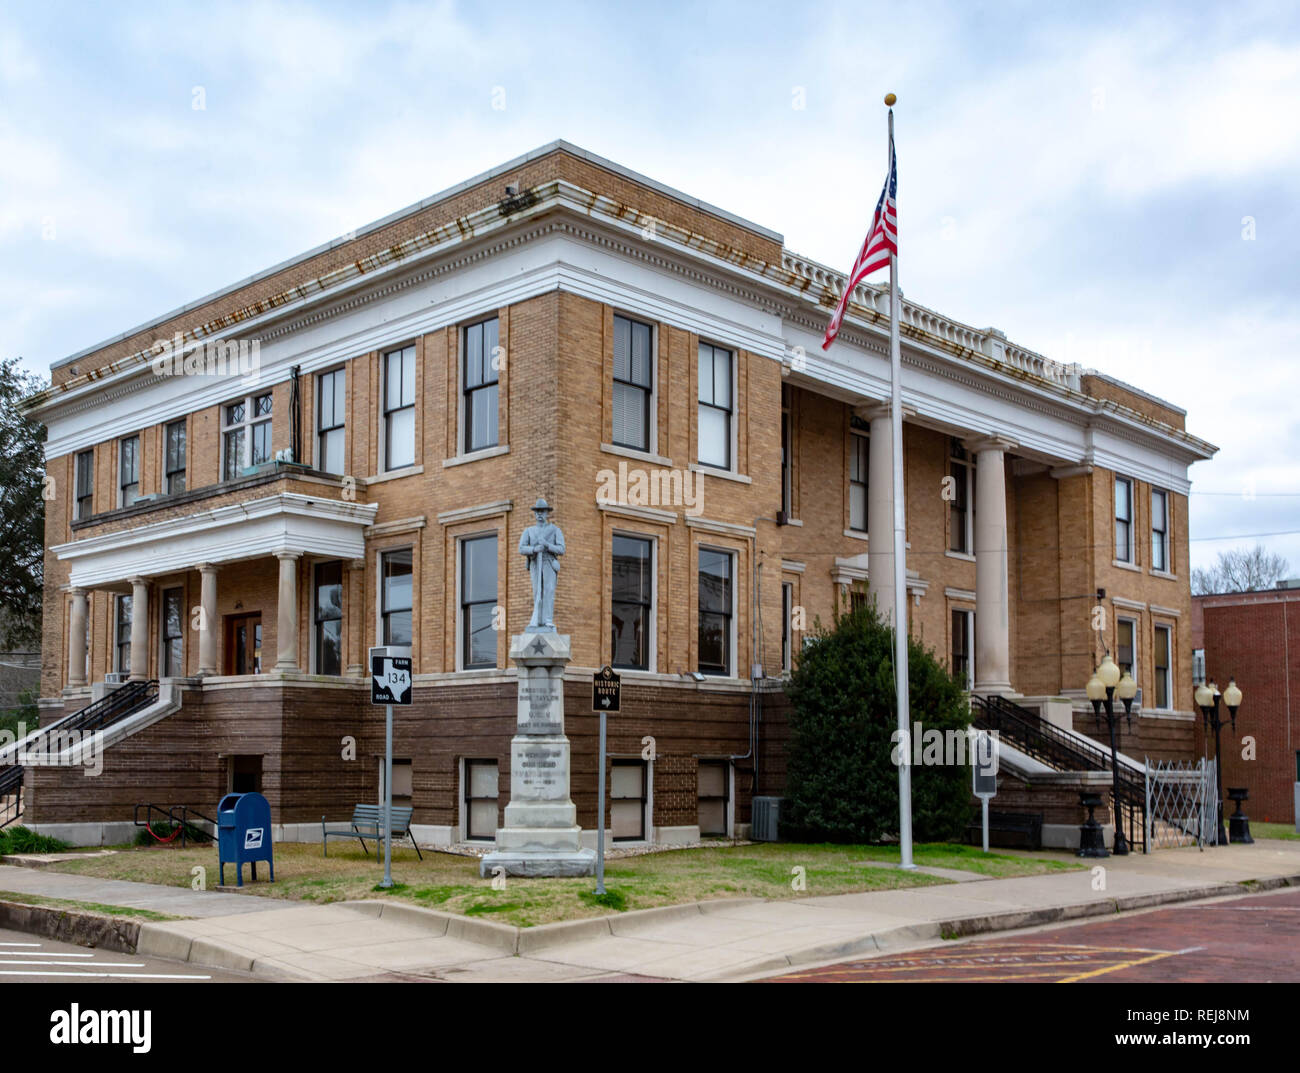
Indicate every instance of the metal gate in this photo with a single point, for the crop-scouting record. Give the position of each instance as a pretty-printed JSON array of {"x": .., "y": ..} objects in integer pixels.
[{"x": 1180, "y": 803}]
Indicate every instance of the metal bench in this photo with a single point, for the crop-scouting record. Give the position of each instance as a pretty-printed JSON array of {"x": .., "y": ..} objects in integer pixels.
[
  {"x": 368, "y": 822},
  {"x": 1011, "y": 830}
]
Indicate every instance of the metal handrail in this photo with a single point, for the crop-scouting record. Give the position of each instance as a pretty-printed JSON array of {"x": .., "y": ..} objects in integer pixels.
[
  {"x": 121, "y": 702},
  {"x": 11, "y": 785}
]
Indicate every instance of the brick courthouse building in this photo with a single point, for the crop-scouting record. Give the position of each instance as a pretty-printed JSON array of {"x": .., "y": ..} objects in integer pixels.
[{"x": 652, "y": 366}]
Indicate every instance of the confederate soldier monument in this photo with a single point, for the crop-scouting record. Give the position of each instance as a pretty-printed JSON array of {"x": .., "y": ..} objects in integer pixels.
[{"x": 541, "y": 836}]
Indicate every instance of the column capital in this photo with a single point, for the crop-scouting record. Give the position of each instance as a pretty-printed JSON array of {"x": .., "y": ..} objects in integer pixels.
[
  {"x": 137, "y": 582},
  {"x": 1062, "y": 472},
  {"x": 991, "y": 442},
  {"x": 879, "y": 409},
  {"x": 206, "y": 568},
  {"x": 285, "y": 554},
  {"x": 76, "y": 590}
]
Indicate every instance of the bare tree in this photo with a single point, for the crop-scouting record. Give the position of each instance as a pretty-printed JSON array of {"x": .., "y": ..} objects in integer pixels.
[{"x": 1241, "y": 570}]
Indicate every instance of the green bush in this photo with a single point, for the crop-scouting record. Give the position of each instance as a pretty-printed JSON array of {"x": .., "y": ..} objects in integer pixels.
[
  {"x": 842, "y": 783},
  {"x": 24, "y": 840}
]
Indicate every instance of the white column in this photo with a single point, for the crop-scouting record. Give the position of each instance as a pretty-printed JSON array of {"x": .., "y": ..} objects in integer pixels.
[
  {"x": 880, "y": 511},
  {"x": 77, "y": 639},
  {"x": 139, "y": 629},
  {"x": 992, "y": 601},
  {"x": 207, "y": 619},
  {"x": 286, "y": 629}
]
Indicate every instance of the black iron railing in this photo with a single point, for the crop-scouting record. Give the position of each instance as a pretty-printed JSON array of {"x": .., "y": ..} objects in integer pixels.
[
  {"x": 178, "y": 818},
  {"x": 112, "y": 707},
  {"x": 1028, "y": 732},
  {"x": 11, "y": 795}
]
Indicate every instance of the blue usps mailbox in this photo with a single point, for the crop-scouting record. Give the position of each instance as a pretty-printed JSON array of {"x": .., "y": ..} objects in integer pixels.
[{"x": 243, "y": 834}]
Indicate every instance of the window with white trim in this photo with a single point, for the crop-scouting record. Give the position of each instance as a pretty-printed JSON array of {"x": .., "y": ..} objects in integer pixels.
[
  {"x": 245, "y": 434},
  {"x": 172, "y": 628},
  {"x": 327, "y": 617},
  {"x": 395, "y": 595},
  {"x": 399, "y": 408},
  {"x": 963, "y": 647},
  {"x": 715, "y": 406},
  {"x": 331, "y": 415},
  {"x": 961, "y": 515},
  {"x": 480, "y": 373},
  {"x": 1160, "y": 530},
  {"x": 1123, "y": 519},
  {"x": 716, "y": 609},
  {"x": 1126, "y": 645},
  {"x": 128, "y": 470},
  {"x": 633, "y": 383},
  {"x": 174, "y": 460},
  {"x": 632, "y": 600},
  {"x": 478, "y": 601},
  {"x": 122, "y": 634},
  {"x": 787, "y": 624},
  {"x": 859, "y": 446},
  {"x": 85, "y": 478}
]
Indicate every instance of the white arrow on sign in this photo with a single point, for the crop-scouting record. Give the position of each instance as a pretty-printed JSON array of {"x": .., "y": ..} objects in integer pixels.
[{"x": 396, "y": 682}]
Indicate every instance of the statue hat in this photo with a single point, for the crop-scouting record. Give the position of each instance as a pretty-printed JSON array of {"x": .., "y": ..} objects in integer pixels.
[{"x": 541, "y": 504}]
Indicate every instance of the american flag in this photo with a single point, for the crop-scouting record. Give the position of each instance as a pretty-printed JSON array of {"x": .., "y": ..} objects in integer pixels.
[{"x": 882, "y": 240}]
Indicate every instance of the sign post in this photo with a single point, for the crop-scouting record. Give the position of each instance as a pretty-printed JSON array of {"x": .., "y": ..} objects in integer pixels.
[
  {"x": 606, "y": 697},
  {"x": 984, "y": 775},
  {"x": 390, "y": 683}
]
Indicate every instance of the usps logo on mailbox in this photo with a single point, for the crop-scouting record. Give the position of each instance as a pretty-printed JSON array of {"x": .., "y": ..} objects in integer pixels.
[
  {"x": 253, "y": 838},
  {"x": 390, "y": 680}
]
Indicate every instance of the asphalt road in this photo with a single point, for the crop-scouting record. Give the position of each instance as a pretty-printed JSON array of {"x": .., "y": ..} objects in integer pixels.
[
  {"x": 1255, "y": 939},
  {"x": 28, "y": 958}
]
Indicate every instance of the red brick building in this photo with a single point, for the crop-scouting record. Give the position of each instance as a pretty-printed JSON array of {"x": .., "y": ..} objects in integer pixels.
[{"x": 1254, "y": 637}]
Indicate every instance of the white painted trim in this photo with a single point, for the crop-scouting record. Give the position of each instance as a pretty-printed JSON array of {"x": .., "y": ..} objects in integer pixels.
[
  {"x": 1171, "y": 612},
  {"x": 733, "y": 664},
  {"x": 854, "y": 534},
  {"x": 1128, "y": 605},
  {"x": 1126, "y": 566},
  {"x": 793, "y": 566},
  {"x": 960, "y": 594},
  {"x": 708, "y": 525},
  {"x": 640, "y": 456},
  {"x": 963, "y": 556},
  {"x": 724, "y": 474},
  {"x": 397, "y": 527},
  {"x": 648, "y": 514},
  {"x": 477, "y": 456},
  {"x": 392, "y": 474},
  {"x": 652, "y": 648},
  {"x": 484, "y": 510}
]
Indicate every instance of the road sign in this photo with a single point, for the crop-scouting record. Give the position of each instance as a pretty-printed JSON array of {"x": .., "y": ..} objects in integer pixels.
[
  {"x": 390, "y": 679},
  {"x": 606, "y": 690}
]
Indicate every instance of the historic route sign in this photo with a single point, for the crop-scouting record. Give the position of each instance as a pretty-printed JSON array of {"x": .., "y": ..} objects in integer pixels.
[
  {"x": 390, "y": 678},
  {"x": 606, "y": 690}
]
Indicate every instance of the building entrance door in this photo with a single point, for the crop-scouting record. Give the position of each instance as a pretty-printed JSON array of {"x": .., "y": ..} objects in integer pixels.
[{"x": 244, "y": 644}]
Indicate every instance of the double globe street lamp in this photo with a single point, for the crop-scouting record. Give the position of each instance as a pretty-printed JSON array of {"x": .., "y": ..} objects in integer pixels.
[
  {"x": 1207, "y": 699},
  {"x": 1105, "y": 684}
]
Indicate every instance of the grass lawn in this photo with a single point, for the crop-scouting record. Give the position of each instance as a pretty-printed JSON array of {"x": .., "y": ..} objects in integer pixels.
[
  {"x": 89, "y": 907},
  {"x": 1273, "y": 830},
  {"x": 451, "y": 883}
]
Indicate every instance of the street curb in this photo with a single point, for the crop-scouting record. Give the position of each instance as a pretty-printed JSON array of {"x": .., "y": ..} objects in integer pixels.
[{"x": 71, "y": 926}]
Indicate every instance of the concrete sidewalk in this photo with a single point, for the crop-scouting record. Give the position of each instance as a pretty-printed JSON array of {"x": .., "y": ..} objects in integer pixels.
[{"x": 726, "y": 939}]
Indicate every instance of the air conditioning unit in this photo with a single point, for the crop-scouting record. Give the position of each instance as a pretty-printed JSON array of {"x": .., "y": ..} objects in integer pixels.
[
  {"x": 116, "y": 678},
  {"x": 767, "y": 819}
]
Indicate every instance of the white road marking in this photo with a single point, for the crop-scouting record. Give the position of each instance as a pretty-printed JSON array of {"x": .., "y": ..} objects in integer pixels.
[
  {"x": 20, "y": 944},
  {"x": 44, "y": 954},
  {"x": 108, "y": 975},
  {"x": 97, "y": 964}
]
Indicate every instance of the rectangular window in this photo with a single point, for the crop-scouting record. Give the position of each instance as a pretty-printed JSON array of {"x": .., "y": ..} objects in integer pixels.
[
  {"x": 715, "y": 406},
  {"x": 715, "y": 597},
  {"x": 712, "y": 789},
  {"x": 395, "y": 596},
  {"x": 1163, "y": 667},
  {"x": 479, "y": 379},
  {"x": 787, "y": 469},
  {"x": 961, "y": 536},
  {"x": 482, "y": 811},
  {"x": 787, "y": 624},
  {"x": 1198, "y": 665},
  {"x": 403, "y": 789},
  {"x": 245, "y": 435},
  {"x": 128, "y": 469},
  {"x": 122, "y": 634},
  {"x": 327, "y": 616},
  {"x": 173, "y": 633},
  {"x": 633, "y": 383},
  {"x": 1159, "y": 530},
  {"x": 633, "y": 595},
  {"x": 1123, "y": 519},
  {"x": 478, "y": 600},
  {"x": 858, "y": 461},
  {"x": 85, "y": 477},
  {"x": 963, "y": 648},
  {"x": 174, "y": 464},
  {"x": 399, "y": 408},
  {"x": 331, "y": 412},
  {"x": 1126, "y": 645},
  {"x": 627, "y": 800}
]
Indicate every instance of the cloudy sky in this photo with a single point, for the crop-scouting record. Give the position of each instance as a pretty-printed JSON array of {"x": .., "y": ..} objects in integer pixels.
[{"x": 1117, "y": 185}]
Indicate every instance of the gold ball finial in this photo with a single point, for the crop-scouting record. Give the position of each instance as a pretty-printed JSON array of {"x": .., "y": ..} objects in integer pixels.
[{"x": 890, "y": 99}]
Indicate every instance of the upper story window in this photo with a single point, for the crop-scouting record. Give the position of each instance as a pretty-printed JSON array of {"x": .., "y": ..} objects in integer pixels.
[
  {"x": 174, "y": 463},
  {"x": 85, "y": 480},
  {"x": 330, "y": 416},
  {"x": 1123, "y": 519},
  {"x": 399, "y": 408},
  {"x": 1163, "y": 661},
  {"x": 1126, "y": 645},
  {"x": 122, "y": 634},
  {"x": 478, "y": 599},
  {"x": 632, "y": 602},
  {"x": 787, "y": 468},
  {"x": 395, "y": 596},
  {"x": 716, "y": 403},
  {"x": 1159, "y": 530},
  {"x": 716, "y": 599},
  {"x": 128, "y": 468},
  {"x": 858, "y": 460},
  {"x": 961, "y": 529},
  {"x": 245, "y": 434},
  {"x": 479, "y": 384},
  {"x": 633, "y": 383}
]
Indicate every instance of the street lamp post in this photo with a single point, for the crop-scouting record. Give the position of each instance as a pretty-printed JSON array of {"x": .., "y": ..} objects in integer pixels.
[
  {"x": 1105, "y": 683},
  {"x": 1207, "y": 699}
]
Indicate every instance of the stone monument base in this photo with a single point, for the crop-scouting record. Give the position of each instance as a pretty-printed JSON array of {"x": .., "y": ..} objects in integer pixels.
[{"x": 554, "y": 863}]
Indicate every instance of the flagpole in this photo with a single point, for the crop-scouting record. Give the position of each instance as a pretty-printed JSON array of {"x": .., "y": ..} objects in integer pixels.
[{"x": 900, "y": 548}]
